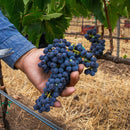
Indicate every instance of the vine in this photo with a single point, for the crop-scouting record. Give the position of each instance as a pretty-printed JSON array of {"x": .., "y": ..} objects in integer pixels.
[
  {"x": 33, "y": 18},
  {"x": 109, "y": 27}
]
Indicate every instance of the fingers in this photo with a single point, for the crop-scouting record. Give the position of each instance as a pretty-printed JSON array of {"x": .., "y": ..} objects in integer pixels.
[
  {"x": 68, "y": 91},
  {"x": 74, "y": 77},
  {"x": 81, "y": 68},
  {"x": 57, "y": 104}
]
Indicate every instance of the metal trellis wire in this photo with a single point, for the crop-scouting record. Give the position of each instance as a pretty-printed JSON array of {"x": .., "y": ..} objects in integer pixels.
[{"x": 41, "y": 118}]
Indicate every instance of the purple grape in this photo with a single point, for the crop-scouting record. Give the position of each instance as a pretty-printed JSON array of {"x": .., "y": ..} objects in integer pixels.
[{"x": 61, "y": 59}]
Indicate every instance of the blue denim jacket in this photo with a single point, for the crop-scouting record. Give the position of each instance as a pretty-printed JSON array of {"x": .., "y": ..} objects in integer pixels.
[{"x": 11, "y": 38}]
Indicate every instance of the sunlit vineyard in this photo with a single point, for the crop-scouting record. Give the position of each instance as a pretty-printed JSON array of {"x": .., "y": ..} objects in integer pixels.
[{"x": 101, "y": 101}]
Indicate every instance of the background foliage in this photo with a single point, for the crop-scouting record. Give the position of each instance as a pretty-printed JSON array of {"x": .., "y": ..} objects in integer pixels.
[{"x": 34, "y": 17}]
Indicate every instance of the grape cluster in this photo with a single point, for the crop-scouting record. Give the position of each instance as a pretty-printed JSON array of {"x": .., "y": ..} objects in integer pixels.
[
  {"x": 60, "y": 59},
  {"x": 97, "y": 45}
]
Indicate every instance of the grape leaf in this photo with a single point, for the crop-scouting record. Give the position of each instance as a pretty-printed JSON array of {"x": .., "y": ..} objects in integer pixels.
[
  {"x": 78, "y": 8},
  {"x": 50, "y": 16},
  {"x": 25, "y": 1},
  {"x": 34, "y": 32},
  {"x": 41, "y": 4},
  {"x": 56, "y": 28},
  {"x": 115, "y": 9},
  {"x": 96, "y": 7},
  {"x": 15, "y": 9},
  {"x": 127, "y": 4},
  {"x": 32, "y": 17}
]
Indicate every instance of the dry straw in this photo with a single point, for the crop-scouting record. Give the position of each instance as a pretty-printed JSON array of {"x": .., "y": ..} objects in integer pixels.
[{"x": 101, "y": 102}]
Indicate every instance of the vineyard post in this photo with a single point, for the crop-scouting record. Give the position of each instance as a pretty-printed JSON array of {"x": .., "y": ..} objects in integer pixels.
[
  {"x": 95, "y": 22},
  {"x": 4, "y": 106},
  {"x": 102, "y": 34},
  {"x": 118, "y": 36},
  {"x": 109, "y": 27},
  {"x": 82, "y": 22}
]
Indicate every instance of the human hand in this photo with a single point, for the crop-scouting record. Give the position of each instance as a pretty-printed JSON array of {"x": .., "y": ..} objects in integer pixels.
[{"x": 28, "y": 63}]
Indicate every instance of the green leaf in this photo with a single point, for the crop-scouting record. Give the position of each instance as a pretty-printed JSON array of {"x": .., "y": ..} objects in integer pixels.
[
  {"x": 33, "y": 26},
  {"x": 119, "y": 6},
  {"x": 52, "y": 5},
  {"x": 15, "y": 9},
  {"x": 127, "y": 4},
  {"x": 113, "y": 17},
  {"x": 41, "y": 4},
  {"x": 50, "y": 16},
  {"x": 61, "y": 5},
  {"x": 125, "y": 56},
  {"x": 96, "y": 7},
  {"x": 32, "y": 17},
  {"x": 34, "y": 31},
  {"x": 28, "y": 6},
  {"x": 55, "y": 28},
  {"x": 78, "y": 8},
  {"x": 25, "y": 1},
  {"x": 115, "y": 9}
]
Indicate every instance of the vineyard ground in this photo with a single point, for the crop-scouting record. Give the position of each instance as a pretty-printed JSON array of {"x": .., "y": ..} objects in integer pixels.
[{"x": 99, "y": 103}]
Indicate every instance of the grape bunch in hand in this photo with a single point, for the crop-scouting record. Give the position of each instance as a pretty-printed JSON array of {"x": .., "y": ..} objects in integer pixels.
[{"x": 60, "y": 59}]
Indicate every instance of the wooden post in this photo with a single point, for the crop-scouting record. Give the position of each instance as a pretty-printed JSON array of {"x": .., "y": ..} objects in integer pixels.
[
  {"x": 118, "y": 36},
  {"x": 95, "y": 22},
  {"x": 4, "y": 106},
  {"x": 102, "y": 28}
]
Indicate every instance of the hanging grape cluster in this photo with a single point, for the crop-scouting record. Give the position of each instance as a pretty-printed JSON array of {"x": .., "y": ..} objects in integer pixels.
[{"x": 97, "y": 45}]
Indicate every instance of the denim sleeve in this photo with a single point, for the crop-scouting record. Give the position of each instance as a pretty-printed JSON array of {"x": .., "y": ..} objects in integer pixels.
[{"x": 11, "y": 38}]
